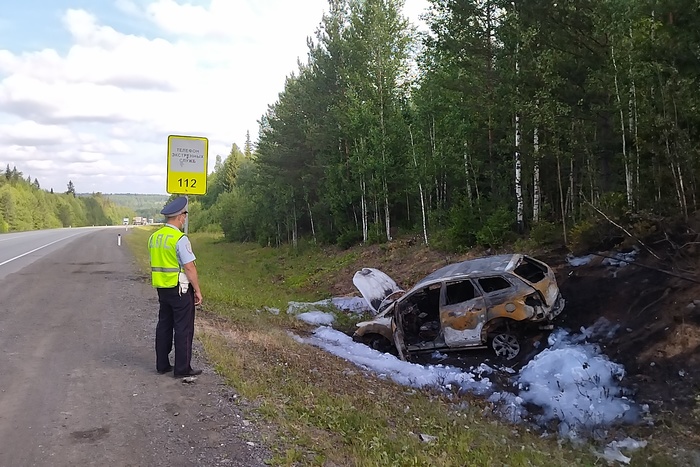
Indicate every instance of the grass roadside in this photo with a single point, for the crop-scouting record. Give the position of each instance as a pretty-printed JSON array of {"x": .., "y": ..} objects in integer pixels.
[{"x": 327, "y": 411}]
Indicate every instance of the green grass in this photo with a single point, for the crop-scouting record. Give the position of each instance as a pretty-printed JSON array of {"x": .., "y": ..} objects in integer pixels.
[{"x": 326, "y": 411}]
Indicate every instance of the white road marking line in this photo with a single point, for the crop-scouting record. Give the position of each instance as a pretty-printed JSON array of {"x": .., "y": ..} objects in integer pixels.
[{"x": 37, "y": 249}]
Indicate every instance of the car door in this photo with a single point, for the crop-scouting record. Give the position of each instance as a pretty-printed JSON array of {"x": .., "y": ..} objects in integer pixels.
[
  {"x": 502, "y": 298},
  {"x": 462, "y": 313}
]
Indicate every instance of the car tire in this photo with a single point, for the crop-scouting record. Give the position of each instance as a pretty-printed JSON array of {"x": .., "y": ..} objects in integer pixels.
[{"x": 505, "y": 345}]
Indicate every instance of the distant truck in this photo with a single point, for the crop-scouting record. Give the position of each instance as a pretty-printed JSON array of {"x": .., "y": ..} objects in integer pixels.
[{"x": 125, "y": 221}]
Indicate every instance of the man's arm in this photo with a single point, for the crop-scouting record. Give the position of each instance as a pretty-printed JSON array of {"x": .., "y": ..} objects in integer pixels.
[{"x": 191, "y": 273}]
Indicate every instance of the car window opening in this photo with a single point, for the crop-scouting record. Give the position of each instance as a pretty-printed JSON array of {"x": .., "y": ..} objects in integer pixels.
[
  {"x": 531, "y": 270},
  {"x": 492, "y": 284},
  {"x": 458, "y": 292}
]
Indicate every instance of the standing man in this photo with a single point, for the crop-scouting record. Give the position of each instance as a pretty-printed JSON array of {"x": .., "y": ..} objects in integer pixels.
[{"x": 174, "y": 275}]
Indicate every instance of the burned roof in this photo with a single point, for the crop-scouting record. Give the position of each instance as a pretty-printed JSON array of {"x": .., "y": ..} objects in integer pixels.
[{"x": 471, "y": 267}]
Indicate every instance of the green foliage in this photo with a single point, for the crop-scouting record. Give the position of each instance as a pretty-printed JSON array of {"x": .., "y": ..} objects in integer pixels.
[
  {"x": 238, "y": 218},
  {"x": 466, "y": 228},
  {"x": 65, "y": 215},
  {"x": 545, "y": 233},
  {"x": 497, "y": 229},
  {"x": 585, "y": 235},
  {"x": 613, "y": 205},
  {"x": 358, "y": 132},
  {"x": 597, "y": 231},
  {"x": 375, "y": 234},
  {"x": 349, "y": 238},
  {"x": 24, "y": 206},
  {"x": 463, "y": 225},
  {"x": 644, "y": 224},
  {"x": 143, "y": 205}
]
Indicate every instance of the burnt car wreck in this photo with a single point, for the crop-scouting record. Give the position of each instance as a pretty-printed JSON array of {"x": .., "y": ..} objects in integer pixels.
[{"x": 478, "y": 303}]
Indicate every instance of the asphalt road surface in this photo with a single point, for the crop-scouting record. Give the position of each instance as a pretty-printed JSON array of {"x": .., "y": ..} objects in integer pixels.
[{"x": 78, "y": 384}]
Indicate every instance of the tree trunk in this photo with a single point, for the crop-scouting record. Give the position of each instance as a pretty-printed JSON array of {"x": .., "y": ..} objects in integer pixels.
[
  {"x": 363, "y": 208},
  {"x": 681, "y": 181},
  {"x": 673, "y": 165},
  {"x": 385, "y": 188},
  {"x": 295, "y": 234},
  {"x": 467, "y": 177},
  {"x": 311, "y": 218},
  {"x": 519, "y": 210},
  {"x": 376, "y": 213},
  {"x": 518, "y": 179},
  {"x": 536, "y": 196},
  {"x": 561, "y": 199},
  {"x": 634, "y": 119},
  {"x": 628, "y": 171},
  {"x": 677, "y": 178},
  {"x": 572, "y": 189},
  {"x": 489, "y": 84},
  {"x": 420, "y": 188},
  {"x": 408, "y": 207},
  {"x": 387, "y": 218},
  {"x": 438, "y": 201}
]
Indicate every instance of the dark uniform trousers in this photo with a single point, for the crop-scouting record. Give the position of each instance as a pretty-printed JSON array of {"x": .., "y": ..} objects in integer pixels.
[{"x": 176, "y": 314}]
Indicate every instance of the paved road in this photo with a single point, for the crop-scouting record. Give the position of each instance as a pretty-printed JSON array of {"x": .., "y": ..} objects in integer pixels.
[
  {"x": 77, "y": 372},
  {"x": 20, "y": 249}
]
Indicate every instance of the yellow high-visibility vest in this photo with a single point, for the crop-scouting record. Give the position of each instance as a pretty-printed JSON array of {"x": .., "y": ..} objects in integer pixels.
[{"x": 165, "y": 268}]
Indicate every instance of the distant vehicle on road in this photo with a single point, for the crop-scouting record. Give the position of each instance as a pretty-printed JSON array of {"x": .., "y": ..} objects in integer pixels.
[{"x": 125, "y": 221}]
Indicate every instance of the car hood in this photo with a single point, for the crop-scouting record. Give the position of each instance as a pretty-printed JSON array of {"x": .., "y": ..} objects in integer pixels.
[{"x": 375, "y": 286}]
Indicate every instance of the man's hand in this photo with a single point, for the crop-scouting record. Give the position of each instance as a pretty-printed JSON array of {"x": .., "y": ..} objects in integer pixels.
[{"x": 191, "y": 273}]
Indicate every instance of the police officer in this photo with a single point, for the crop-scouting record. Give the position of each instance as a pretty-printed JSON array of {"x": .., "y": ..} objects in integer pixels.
[{"x": 174, "y": 275}]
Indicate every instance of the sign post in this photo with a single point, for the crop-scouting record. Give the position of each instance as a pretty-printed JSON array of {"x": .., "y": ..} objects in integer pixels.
[{"x": 187, "y": 166}]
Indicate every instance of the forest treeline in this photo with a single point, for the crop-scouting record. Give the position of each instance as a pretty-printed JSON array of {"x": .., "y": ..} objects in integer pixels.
[
  {"x": 144, "y": 205},
  {"x": 505, "y": 119},
  {"x": 24, "y": 205}
]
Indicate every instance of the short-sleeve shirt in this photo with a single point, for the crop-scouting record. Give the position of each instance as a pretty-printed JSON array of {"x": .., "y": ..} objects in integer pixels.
[{"x": 183, "y": 247}]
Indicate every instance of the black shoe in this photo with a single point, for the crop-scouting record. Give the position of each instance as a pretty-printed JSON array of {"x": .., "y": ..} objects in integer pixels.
[
  {"x": 189, "y": 373},
  {"x": 167, "y": 370}
]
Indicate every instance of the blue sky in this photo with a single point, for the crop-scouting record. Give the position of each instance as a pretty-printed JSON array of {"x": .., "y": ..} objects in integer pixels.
[
  {"x": 90, "y": 89},
  {"x": 36, "y": 24}
]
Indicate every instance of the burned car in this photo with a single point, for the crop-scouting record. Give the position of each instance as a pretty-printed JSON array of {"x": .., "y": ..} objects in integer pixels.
[{"x": 478, "y": 303}]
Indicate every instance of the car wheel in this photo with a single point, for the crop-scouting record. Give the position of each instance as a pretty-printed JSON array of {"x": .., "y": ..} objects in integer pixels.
[{"x": 505, "y": 345}]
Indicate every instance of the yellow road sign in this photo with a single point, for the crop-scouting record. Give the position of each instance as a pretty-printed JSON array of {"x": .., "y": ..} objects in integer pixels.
[{"x": 187, "y": 165}]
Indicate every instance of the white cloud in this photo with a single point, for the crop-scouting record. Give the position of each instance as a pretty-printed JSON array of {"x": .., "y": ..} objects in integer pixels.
[
  {"x": 272, "y": 22},
  {"x": 108, "y": 102},
  {"x": 30, "y": 133},
  {"x": 127, "y": 6},
  {"x": 414, "y": 9}
]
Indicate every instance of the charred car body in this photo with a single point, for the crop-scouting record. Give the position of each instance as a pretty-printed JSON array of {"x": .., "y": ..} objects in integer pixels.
[{"x": 482, "y": 302}]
